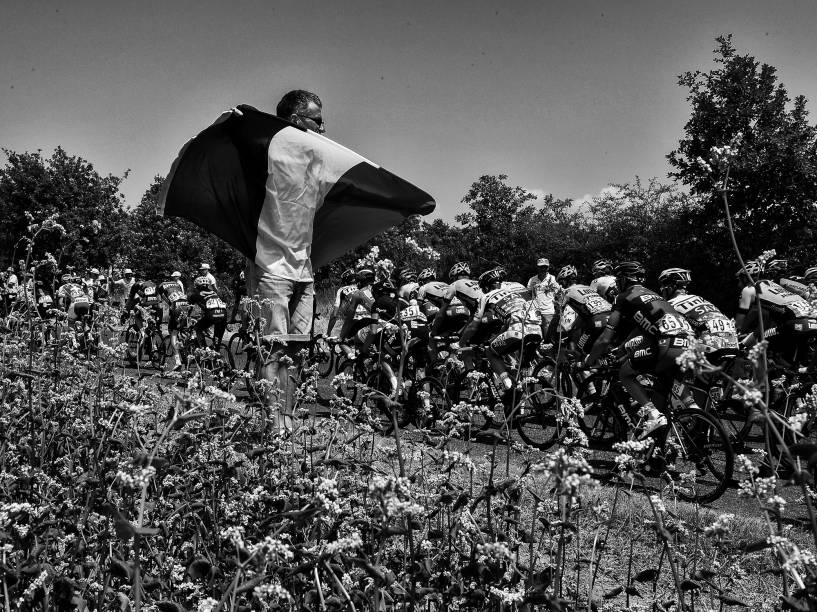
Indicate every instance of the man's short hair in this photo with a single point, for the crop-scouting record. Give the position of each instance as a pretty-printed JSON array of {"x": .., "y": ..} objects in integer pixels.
[{"x": 295, "y": 102}]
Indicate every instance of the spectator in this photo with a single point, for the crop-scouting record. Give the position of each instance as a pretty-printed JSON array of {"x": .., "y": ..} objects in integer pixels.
[
  {"x": 288, "y": 282},
  {"x": 543, "y": 289},
  {"x": 204, "y": 270}
]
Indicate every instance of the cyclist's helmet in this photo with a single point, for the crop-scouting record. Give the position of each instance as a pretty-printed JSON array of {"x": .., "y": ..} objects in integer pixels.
[
  {"x": 492, "y": 276},
  {"x": 777, "y": 267},
  {"x": 347, "y": 276},
  {"x": 602, "y": 267},
  {"x": 201, "y": 282},
  {"x": 632, "y": 271},
  {"x": 383, "y": 287},
  {"x": 678, "y": 277},
  {"x": 66, "y": 278},
  {"x": 810, "y": 275},
  {"x": 426, "y": 276},
  {"x": 407, "y": 276},
  {"x": 752, "y": 267},
  {"x": 175, "y": 274},
  {"x": 459, "y": 268},
  {"x": 364, "y": 275},
  {"x": 567, "y": 272}
]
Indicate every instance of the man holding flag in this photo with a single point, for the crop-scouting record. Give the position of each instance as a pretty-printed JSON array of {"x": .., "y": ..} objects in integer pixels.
[{"x": 288, "y": 198}]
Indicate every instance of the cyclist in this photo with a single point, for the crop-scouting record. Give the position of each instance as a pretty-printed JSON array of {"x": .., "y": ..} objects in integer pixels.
[
  {"x": 655, "y": 336},
  {"x": 360, "y": 303},
  {"x": 788, "y": 321},
  {"x": 512, "y": 321},
  {"x": 380, "y": 332},
  {"x": 455, "y": 304},
  {"x": 145, "y": 294},
  {"x": 342, "y": 297},
  {"x": 213, "y": 310},
  {"x": 581, "y": 312},
  {"x": 713, "y": 329},
  {"x": 172, "y": 293},
  {"x": 74, "y": 299},
  {"x": 604, "y": 283},
  {"x": 408, "y": 286},
  {"x": 777, "y": 270}
]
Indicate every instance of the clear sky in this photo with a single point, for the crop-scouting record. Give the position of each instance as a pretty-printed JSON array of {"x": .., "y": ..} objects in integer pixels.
[{"x": 564, "y": 97}]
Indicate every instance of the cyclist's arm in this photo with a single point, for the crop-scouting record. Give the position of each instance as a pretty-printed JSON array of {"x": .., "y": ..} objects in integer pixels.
[
  {"x": 442, "y": 313},
  {"x": 603, "y": 343},
  {"x": 747, "y": 296}
]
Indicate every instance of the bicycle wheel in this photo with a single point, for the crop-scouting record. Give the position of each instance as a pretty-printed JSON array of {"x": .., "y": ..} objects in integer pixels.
[
  {"x": 428, "y": 401},
  {"x": 322, "y": 356},
  {"x": 473, "y": 389},
  {"x": 349, "y": 372},
  {"x": 378, "y": 386},
  {"x": 237, "y": 352},
  {"x": 601, "y": 422},
  {"x": 698, "y": 454},
  {"x": 157, "y": 349}
]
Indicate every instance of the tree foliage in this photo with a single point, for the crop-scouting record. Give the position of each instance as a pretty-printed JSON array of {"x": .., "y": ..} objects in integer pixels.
[{"x": 773, "y": 180}]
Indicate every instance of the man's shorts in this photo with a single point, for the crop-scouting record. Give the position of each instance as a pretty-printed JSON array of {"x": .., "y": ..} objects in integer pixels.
[
  {"x": 77, "y": 311},
  {"x": 177, "y": 318}
]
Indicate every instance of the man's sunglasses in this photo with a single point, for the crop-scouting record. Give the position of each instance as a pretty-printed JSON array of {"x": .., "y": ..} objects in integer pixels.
[{"x": 316, "y": 120}]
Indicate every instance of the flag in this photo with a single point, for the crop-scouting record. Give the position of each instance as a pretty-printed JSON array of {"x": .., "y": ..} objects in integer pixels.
[{"x": 266, "y": 186}]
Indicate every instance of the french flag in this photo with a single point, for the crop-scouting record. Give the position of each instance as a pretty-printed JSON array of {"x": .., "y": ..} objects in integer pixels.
[{"x": 250, "y": 177}]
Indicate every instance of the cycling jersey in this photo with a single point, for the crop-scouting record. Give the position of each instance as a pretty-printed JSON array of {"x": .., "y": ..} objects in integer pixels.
[
  {"x": 362, "y": 301},
  {"x": 606, "y": 287},
  {"x": 585, "y": 302},
  {"x": 76, "y": 300},
  {"x": 795, "y": 287},
  {"x": 714, "y": 329},
  {"x": 467, "y": 291},
  {"x": 172, "y": 292},
  {"x": 408, "y": 292},
  {"x": 342, "y": 298},
  {"x": 430, "y": 297},
  {"x": 780, "y": 305},
  {"x": 648, "y": 312},
  {"x": 145, "y": 294},
  {"x": 505, "y": 306},
  {"x": 212, "y": 306}
]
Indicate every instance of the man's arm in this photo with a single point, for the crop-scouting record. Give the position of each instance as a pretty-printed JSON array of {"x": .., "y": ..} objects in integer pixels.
[{"x": 442, "y": 313}]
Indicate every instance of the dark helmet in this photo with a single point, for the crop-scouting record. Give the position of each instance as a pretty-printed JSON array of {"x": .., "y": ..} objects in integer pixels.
[
  {"x": 675, "y": 276},
  {"x": 810, "y": 275},
  {"x": 407, "y": 276},
  {"x": 632, "y": 271},
  {"x": 459, "y": 268},
  {"x": 364, "y": 275},
  {"x": 752, "y": 267},
  {"x": 383, "y": 287},
  {"x": 602, "y": 267},
  {"x": 347, "y": 276},
  {"x": 426, "y": 276},
  {"x": 567, "y": 272},
  {"x": 777, "y": 266},
  {"x": 494, "y": 275}
]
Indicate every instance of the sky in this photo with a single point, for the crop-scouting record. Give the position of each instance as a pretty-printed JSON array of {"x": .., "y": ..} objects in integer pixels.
[{"x": 563, "y": 97}]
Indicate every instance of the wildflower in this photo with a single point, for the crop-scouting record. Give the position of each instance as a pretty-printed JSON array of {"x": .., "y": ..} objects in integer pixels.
[
  {"x": 347, "y": 544},
  {"x": 658, "y": 504},
  {"x": 796, "y": 421},
  {"x": 139, "y": 479},
  {"x": 775, "y": 502},
  {"x": 208, "y": 604},
  {"x": 721, "y": 527}
]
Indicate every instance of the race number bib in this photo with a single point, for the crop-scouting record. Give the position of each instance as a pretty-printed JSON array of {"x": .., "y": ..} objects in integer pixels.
[
  {"x": 595, "y": 304},
  {"x": 800, "y": 308},
  {"x": 176, "y": 296},
  {"x": 720, "y": 325},
  {"x": 673, "y": 325},
  {"x": 214, "y": 303}
]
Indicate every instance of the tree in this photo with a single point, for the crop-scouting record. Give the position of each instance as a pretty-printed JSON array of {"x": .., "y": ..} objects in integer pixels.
[
  {"x": 157, "y": 245},
  {"x": 773, "y": 179},
  {"x": 87, "y": 204}
]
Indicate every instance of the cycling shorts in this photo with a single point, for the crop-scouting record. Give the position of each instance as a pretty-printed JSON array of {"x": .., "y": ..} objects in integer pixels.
[
  {"x": 657, "y": 356},
  {"x": 77, "y": 311},
  {"x": 514, "y": 336},
  {"x": 177, "y": 319}
]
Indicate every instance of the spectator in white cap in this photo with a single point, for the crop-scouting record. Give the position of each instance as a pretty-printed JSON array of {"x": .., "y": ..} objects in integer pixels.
[
  {"x": 543, "y": 288},
  {"x": 177, "y": 276},
  {"x": 204, "y": 270},
  {"x": 90, "y": 282},
  {"x": 121, "y": 289}
]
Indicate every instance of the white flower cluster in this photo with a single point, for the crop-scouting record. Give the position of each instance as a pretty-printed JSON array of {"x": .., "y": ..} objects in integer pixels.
[
  {"x": 720, "y": 527},
  {"x": 427, "y": 252},
  {"x": 139, "y": 479},
  {"x": 394, "y": 493},
  {"x": 219, "y": 394},
  {"x": 273, "y": 549},
  {"x": 208, "y": 604},
  {"x": 495, "y": 550},
  {"x": 351, "y": 542},
  {"x": 630, "y": 454}
]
